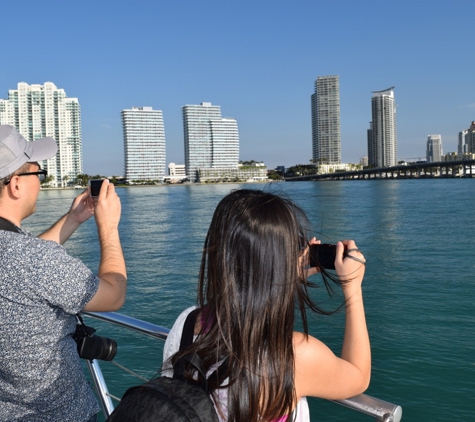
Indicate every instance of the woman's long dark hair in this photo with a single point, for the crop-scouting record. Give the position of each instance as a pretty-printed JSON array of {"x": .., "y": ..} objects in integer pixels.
[{"x": 251, "y": 280}]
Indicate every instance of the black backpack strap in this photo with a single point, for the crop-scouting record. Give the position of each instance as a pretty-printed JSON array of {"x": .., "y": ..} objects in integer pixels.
[
  {"x": 192, "y": 358},
  {"x": 189, "y": 329}
]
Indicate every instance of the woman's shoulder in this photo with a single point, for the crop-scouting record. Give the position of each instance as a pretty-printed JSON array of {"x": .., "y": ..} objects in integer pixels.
[
  {"x": 309, "y": 351},
  {"x": 306, "y": 343},
  {"x": 311, "y": 357},
  {"x": 180, "y": 321},
  {"x": 172, "y": 343}
]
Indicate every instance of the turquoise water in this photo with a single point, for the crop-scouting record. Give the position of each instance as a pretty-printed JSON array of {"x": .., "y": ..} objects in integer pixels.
[{"x": 417, "y": 235}]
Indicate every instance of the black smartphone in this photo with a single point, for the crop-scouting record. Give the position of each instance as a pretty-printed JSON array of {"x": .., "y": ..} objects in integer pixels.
[
  {"x": 322, "y": 255},
  {"x": 95, "y": 185}
]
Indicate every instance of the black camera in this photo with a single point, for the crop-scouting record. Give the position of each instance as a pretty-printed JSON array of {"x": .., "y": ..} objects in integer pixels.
[
  {"x": 91, "y": 346},
  {"x": 323, "y": 255},
  {"x": 95, "y": 185}
]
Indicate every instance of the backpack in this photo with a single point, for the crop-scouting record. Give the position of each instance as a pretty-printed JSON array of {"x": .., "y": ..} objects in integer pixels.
[{"x": 170, "y": 399}]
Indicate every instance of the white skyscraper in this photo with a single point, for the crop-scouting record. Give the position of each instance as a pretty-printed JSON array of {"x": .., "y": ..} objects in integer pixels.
[
  {"x": 326, "y": 135},
  {"x": 382, "y": 141},
  {"x": 462, "y": 144},
  {"x": 211, "y": 142},
  {"x": 44, "y": 110},
  {"x": 470, "y": 139},
  {"x": 144, "y": 144},
  {"x": 434, "y": 148}
]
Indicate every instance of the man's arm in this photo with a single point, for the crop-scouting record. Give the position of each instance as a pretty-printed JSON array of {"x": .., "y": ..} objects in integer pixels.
[
  {"x": 81, "y": 210},
  {"x": 110, "y": 295}
]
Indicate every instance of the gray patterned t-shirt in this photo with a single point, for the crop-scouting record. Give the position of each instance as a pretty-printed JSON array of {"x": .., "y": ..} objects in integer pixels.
[{"x": 41, "y": 289}]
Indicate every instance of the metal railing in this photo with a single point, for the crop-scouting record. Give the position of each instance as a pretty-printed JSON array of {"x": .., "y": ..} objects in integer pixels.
[{"x": 381, "y": 410}]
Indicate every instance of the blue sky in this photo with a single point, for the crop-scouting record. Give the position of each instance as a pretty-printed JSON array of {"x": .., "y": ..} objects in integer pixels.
[{"x": 257, "y": 59}]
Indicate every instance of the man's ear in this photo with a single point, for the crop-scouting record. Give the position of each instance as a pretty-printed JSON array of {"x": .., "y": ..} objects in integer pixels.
[{"x": 14, "y": 187}]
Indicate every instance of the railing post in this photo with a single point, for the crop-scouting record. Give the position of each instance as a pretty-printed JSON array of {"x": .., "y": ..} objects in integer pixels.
[{"x": 101, "y": 387}]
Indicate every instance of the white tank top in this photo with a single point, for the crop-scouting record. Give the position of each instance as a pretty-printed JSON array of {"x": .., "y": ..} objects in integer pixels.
[{"x": 172, "y": 344}]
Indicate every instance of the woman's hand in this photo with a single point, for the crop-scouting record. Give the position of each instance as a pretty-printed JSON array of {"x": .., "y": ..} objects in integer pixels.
[
  {"x": 350, "y": 266},
  {"x": 312, "y": 270}
]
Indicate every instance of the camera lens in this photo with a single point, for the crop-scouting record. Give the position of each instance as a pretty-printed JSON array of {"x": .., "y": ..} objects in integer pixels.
[
  {"x": 107, "y": 349},
  {"x": 95, "y": 347}
]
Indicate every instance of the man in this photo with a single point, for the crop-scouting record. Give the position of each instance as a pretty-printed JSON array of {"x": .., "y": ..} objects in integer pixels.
[{"x": 42, "y": 288}]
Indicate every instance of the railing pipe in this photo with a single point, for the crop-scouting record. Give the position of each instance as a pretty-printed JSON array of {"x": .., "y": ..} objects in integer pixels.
[
  {"x": 101, "y": 387},
  {"x": 130, "y": 323},
  {"x": 381, "y": 410}
]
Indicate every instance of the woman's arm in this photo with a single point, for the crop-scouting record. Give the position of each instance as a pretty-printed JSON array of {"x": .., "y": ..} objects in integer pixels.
[{"x": 318, "y": 372}]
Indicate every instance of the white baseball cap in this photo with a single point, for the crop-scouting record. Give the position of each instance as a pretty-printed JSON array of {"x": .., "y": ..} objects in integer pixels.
[{"x": 15, "y": 150}]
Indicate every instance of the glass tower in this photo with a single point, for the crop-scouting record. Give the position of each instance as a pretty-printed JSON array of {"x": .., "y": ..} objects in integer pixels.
[
  {"x": 382, "y": 143},
  {"x": 470, "y": 139},
  {"x": 144, "y": 145},
  {"x": 44, "y": 110},
  {"x": 211, "y": 142},
  {"x": 434, "y": 149},
  {"x": 326, "y": 136}
]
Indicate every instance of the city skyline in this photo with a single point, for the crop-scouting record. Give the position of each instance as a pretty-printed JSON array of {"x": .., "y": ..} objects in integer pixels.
[{"x": 258, "y": 63}]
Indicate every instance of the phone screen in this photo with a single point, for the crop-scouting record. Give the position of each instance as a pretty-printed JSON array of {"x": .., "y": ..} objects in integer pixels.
[{"x": 323, "y": 256}]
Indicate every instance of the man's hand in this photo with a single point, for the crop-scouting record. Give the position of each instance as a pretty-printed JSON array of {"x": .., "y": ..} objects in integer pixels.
[
  {"x": 82, "y": 208},
  {"x": 107, "y": 208},
  {"x": 112, "y": 273}
]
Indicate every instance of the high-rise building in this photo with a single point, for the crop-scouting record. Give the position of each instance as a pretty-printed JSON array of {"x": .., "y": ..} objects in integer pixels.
[
  {"x": 434, "y": 149},
  {"x": 144, "y": 144},
  {"x": 470, "y": 139},
  {"x": 462, "y": 144},
  {"x": 211, "y": 142},
  {"x": 382, "y": 142},
  {"x": 44, "y": 110},
  {"x": 326, "y": 134}
]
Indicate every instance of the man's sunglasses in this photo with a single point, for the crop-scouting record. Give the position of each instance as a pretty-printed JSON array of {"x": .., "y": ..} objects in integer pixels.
[{"x": 40, "y": 173}]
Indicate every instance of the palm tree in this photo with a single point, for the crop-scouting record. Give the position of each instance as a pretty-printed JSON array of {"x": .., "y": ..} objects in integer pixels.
[
  {"x": 82, "y": 179},
  {"x": 47, "y": 180}
]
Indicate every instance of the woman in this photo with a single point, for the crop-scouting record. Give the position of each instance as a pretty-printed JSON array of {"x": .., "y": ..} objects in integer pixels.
[{"x": 253, "y": 275}]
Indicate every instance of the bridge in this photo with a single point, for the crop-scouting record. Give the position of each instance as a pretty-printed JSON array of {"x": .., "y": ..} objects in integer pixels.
[{"x": 444, "y": 169}]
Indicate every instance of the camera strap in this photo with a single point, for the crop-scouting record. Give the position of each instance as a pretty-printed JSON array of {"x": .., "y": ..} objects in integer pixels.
[
  {"x": 79, "y": 320},
  {"x": 8, "y": 226},
  {"x": 89, "y": 331}
]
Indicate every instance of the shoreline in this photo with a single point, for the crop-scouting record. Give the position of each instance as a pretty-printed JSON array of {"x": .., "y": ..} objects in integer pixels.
[{"x": 169, "y": 184}]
